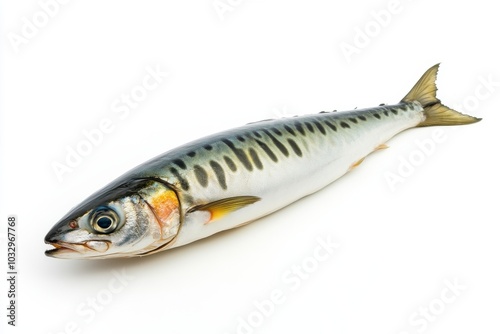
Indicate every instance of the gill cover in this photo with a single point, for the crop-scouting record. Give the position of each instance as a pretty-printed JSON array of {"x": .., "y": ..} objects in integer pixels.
[{"x": 164, "y": 203}]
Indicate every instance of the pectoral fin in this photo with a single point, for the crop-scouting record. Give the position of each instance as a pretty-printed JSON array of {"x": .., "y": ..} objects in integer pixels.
[{"x": 225, "y": 206}]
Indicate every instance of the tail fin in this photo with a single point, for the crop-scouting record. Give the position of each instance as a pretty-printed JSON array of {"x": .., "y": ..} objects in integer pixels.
[{"x": 436, "y": 113}]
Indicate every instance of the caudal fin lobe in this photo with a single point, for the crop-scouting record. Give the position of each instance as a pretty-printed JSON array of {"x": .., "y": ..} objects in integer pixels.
[{"x": 436, "y": 113}]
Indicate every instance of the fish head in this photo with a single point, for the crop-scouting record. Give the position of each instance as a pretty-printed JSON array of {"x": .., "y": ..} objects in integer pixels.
[{"x": 132, "y": 218}]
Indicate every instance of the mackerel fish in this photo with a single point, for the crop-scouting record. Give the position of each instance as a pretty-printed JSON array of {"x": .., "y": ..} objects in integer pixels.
[{"x": 234, "y": 177}]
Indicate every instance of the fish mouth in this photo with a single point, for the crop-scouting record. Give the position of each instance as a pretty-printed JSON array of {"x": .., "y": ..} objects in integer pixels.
[
  {"x": 60, "y": 249},
  {"x": 76, "y": 250}
]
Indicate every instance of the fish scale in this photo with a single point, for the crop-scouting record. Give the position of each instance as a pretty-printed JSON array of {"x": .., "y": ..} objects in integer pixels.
[{"x": 234, "y": 177}]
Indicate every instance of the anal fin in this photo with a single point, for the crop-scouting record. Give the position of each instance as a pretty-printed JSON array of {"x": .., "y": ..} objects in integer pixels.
[
  {"x": 380, "y": 147},
  {"x": 356, "y": 164}
]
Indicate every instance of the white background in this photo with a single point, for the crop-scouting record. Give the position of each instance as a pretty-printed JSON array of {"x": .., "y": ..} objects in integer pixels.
[{"x": 258, "y": 60}]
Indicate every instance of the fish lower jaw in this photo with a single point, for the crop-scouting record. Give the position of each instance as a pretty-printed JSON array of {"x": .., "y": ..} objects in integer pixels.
[
  {"x": 61, "y": 253},
  {"x": 61, "y": 250},
  {"x": 65, "y": 250}
]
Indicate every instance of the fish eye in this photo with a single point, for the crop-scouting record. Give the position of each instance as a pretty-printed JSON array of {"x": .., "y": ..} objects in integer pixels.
[{"x": 104, "y": 220}]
